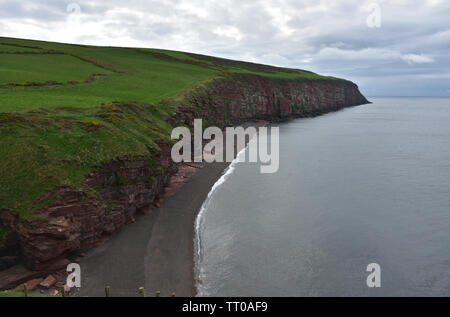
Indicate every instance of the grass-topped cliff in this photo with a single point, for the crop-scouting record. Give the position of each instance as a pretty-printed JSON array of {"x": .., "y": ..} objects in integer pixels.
[
  {"x": 67, "y": 109},
  {"x": 85, "y": 133}
]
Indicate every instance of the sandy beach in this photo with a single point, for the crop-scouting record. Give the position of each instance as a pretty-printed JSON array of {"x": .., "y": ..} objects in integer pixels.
[{"x": 156, "y": 251}]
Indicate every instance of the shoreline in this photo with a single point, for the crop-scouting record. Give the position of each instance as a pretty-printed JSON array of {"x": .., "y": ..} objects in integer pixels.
[
  {"x": 157, "y": 238},
  {"x": 140, "y": 251},
  {"x": 173, "y": 241}
]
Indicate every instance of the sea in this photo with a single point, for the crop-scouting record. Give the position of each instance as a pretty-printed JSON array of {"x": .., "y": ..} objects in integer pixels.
[{"x": 364, "y": 185}]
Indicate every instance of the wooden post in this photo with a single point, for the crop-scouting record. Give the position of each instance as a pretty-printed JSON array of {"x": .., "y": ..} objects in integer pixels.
[
  {"x": 107, "y": 291},
  {"x": 173, "y": 295},
  {"x": 158, "y": 294},
  {"x": 25, "y": 290},
  {"x": 141, "y": 292},
  {"x": 63, "y": 292}
]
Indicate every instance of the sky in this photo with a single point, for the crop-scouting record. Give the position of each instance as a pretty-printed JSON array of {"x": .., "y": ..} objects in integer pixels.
[{"x": 389, "y": 48}]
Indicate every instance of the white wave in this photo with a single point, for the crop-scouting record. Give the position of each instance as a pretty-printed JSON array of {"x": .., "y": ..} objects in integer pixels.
[{"x": 240, "y": 157}]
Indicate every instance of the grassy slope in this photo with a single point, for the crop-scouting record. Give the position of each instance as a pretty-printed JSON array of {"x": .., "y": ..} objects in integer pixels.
[
  {"x": 55, "y": 135},
  {"x": 19, "y": 68},
  {"x": 10, "y": 48}
]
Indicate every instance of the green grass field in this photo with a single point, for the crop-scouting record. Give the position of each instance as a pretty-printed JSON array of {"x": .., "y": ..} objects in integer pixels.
[
  {"x": 59, "y": 121},
  {"x": 20, "y": 68}
]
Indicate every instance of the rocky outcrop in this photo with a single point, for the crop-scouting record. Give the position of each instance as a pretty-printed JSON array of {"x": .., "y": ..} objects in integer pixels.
[{"x": 78, "y": 220}]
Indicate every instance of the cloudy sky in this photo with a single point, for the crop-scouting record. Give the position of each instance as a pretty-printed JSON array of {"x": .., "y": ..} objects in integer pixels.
[{"x": 390, "y": 47}]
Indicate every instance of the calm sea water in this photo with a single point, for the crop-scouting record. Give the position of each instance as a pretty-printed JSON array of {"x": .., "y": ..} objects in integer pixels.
[{"x": 366, "y": 184}]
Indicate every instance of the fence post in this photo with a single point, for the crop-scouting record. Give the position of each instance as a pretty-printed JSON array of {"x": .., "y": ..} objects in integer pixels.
[
  {"x": 141, "y": 291},
  {"x": 107, "y": 291},
  {"x": 173, "y": 295},
  {"x": 158, "y": 294},
  {"x": 25, "y": 290},
  {"x": 63, "y": 292}
]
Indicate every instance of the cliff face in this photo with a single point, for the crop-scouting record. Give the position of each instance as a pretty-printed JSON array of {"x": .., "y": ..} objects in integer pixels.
[
  {"x": 76, "y": 221},
  {"x": 264, "y": 98},
  {"x": 247, "y": 97}
]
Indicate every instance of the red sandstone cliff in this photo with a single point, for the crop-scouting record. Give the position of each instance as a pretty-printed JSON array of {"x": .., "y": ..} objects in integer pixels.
[{"x": 75, "y": 222}]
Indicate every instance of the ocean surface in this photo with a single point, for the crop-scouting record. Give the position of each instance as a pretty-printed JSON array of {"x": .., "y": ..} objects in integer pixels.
[{"x": 368, "y": 184}]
